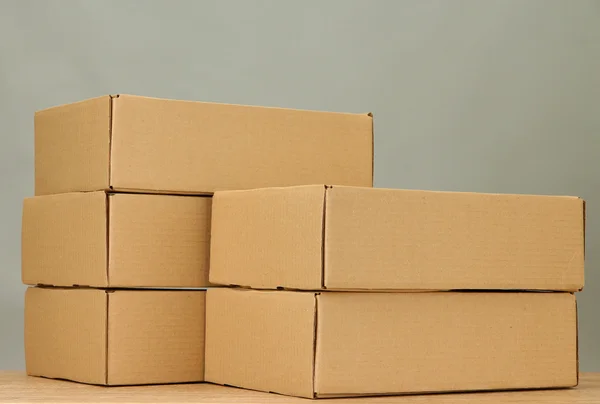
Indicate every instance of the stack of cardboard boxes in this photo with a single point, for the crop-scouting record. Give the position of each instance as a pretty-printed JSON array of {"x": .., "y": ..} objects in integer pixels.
[
  {"x": 330, "y": 290},
  {"x": 117, "y": 237},
  {"x": 392, "y": 291}
]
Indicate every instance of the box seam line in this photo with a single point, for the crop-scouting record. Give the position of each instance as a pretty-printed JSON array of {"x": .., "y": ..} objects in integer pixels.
[
  {"x": 107, "y": 268},
  {"x": 314, "y": 361},
  {"x": 576, "y": 342},
  {"x": 323, "y": 235},
  {"x": 111, "y": 129},
  {"x": 372, "y": 149},
  {"x": 106, "y": 336}
]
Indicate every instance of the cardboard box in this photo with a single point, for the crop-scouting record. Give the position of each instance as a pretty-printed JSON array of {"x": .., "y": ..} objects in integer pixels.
[
  {"x": 332, "y": 344},
  {"x": 116, "y": 240},
  {"x": 117, "y": 337},
  {"x": 132, "y": 143},
  {"x": 349, "y": 238}
]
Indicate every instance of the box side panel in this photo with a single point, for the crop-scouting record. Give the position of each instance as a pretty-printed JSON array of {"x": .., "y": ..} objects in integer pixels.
[
  {"x": 268, "y": 237},
  {"x": 377, "y": 343},
  {"x": 186, "y": 146},
  {"x": 64, "y": 239},
  {"x": 156, "y": 337},
  {"x": 72, "y": 146},
  {"x": 401, "y": 239},
  {"x": 261, "y": 340},
  {"x": 159, "y": 240},
  {"x": 65, "y": 334}
]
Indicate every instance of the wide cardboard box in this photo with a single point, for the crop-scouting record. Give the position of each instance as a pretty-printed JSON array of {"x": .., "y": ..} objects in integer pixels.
[
  {"x": 350, "y": 238},
  {"x": 116, "y": 240},
  {"x": 331, "y": 344},
  {"x": 119, "y": 337},
  {"x": 134, "y": 143}
]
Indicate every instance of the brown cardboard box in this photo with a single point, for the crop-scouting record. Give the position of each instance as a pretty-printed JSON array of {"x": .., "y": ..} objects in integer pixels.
[
  {"x": 135, "y": 143},
  {"x": 115, "y": 337},
  {"x": 331, "y": 344},
  {"x": 348, "y": 238},
  {"x": 116, "y": 240}
]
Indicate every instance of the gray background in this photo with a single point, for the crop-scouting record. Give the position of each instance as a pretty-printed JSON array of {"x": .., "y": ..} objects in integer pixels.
[{"x": 494, "y": 96}]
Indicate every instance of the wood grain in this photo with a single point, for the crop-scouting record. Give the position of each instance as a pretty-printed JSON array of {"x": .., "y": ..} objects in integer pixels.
[{"x": 15, "y": 387}]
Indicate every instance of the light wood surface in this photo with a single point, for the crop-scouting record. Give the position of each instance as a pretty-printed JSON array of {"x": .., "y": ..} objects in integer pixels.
[{"x": 15, "y": 387}]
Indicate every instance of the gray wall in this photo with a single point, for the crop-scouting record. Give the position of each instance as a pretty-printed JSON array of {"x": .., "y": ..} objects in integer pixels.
[{"x": 495, "y": 96}]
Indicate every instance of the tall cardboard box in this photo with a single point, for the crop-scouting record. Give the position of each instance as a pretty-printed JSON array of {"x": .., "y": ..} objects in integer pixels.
[
  {"x": 131, "y": 143},
  {"x": 119, "y": 337},
  {"x": 334, "y": 344},
  {"x": 102, "y": 239},
  {"x": 353, "y": 238}
]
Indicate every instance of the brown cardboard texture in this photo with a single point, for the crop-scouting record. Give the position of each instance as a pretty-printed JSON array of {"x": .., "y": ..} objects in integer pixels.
[
  {"x": 330, "y": 344},
  {"x": 116, "y": 240},
  {"x": 118, "y": 337},
  {"x": 352, "y": 238},
  {"x": 137, "y": 143}
]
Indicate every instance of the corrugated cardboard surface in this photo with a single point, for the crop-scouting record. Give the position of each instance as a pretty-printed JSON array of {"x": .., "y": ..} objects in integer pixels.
[
  {"x": 390, "y": 343},
  {"x": 65, "y": 334},
  {"x": 193, "y": 147},
  {"x": 156, "y": 337},
  {"x": 116, "y": 240},
  {"x": 115, "y": 338},
  {"x": 383, "y": 239},
  {"x": 269, "y": 238},
  {"x": 261, "y": 340},
  {"x": 64, "y": 239},
  {"x": 72, "y": 147},
  {"x": 159, "y": 240},
  {"x": 370, "y": 343}
]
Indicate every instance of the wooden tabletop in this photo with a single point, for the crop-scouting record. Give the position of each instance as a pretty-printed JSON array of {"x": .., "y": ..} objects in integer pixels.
[{"x": 15, "y": 387}]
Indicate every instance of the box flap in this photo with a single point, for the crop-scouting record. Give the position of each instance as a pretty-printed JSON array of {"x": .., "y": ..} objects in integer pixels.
[
  {"x": 225, "y": 146},
  {"x": 72, "y": 146},
  {"x": 407, "y": 239},
  {"x": 155, "y": 336},
  {"x": 65, "y": 334},
  {"x": 64, "y": 239},
  {"x": 267, "y": 238},
  {"x": 162, "y": 238},
  {"x": 377, "y": 343},
  {"x": 261, "y": 340}
]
